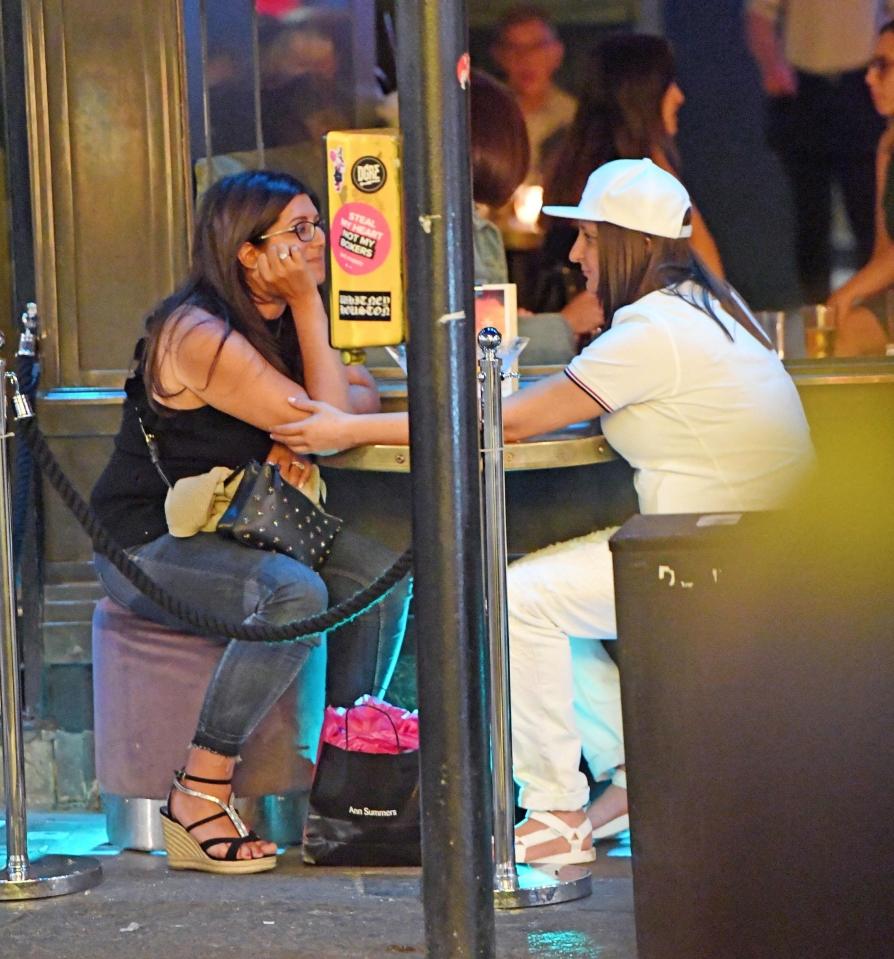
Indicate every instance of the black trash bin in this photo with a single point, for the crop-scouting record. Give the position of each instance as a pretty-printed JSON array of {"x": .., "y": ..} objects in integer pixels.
[{"x": 757, "y": 670}]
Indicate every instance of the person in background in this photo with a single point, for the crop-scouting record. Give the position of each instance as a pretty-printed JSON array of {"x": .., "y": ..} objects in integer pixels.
[
  {"x": 213, "y": 374},
  {"x": 861, "y": 305},
  {"x": 527, "y": 49},
  {"x": 628, "y": 110},
  {"x": 307, "y": 78},
  {"x": 500, "y": 154},
  {"x": 691, "y": 394},
  {"x": 812, "y": 57}
]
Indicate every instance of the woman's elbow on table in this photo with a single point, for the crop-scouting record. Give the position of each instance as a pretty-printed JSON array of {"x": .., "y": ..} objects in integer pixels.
[{"x": 363, "y": 394}]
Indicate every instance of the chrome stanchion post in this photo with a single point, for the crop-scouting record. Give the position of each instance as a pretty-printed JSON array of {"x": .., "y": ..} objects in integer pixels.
[
  {"x": 48, "y": 875},
  {"x": 494, "y": 525},
  {"x": 515, "y": 886}
]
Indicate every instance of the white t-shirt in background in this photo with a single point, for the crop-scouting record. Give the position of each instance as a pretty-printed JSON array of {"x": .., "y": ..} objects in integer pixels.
[
  {"x": 709, "y": 423},
  {"x": 827, "y": 36}
]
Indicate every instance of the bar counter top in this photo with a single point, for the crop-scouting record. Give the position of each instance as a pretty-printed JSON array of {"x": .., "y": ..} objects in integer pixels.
[
  {"x": 578, "y": 445},
  {"x": 581, "y": 444}
]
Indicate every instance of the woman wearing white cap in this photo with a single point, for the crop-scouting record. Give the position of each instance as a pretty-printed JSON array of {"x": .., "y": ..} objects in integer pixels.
[{"x": 692, "y": 395}]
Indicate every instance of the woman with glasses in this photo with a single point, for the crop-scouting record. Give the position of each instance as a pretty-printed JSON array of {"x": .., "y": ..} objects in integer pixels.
[
  {"x": 220, "y": 359},
  {"x": 861, "y": 304}
]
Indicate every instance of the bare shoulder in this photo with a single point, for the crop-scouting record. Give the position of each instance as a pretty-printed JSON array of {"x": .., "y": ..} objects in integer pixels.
[
  {"x": 193, "y": 329},
  {"x": 197, "y": 345},
  {"x": 886, "y": 144}
]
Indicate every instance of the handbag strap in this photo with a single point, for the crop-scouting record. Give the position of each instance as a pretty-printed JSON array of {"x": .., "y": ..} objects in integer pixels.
[
  {"x": 152, "y": 444},
  {"x": 137, "y": 396},
  {"x": 378, "y": 709}
]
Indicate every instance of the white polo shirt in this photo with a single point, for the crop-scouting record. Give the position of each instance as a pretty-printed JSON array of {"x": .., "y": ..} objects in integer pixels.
[{"x": 709, "y": 423}]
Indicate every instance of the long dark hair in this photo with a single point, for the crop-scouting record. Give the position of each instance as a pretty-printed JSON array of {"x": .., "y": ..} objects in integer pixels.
[
  {"x": 235, "y": 210},
  {"x": 618, "y": 115},
  {"x": 634, "y": 264}
]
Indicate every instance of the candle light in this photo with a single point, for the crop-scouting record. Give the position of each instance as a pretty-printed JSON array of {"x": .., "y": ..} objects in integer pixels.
[{"x": 526, "y": 203}]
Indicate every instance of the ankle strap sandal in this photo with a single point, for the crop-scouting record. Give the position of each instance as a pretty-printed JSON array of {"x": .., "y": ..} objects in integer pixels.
[
  {"x": 185, "y": 852},
  {"x": 580, "y": 843}
]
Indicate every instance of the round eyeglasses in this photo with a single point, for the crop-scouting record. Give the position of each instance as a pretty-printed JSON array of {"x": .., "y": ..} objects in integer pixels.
[{"x": 305, "y": 230}]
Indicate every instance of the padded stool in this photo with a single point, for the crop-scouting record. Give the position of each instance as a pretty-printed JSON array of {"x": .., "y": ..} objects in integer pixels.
[{"x": 149, "y": 683}]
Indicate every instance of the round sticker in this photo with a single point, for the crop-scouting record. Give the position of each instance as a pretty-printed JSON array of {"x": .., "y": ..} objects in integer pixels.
[
  {"x": 361, "y": 238},
  {"x": 368, "y": 174}
]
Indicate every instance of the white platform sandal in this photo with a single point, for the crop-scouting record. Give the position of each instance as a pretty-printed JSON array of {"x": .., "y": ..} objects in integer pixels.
[{"x": 579, "y": 838}]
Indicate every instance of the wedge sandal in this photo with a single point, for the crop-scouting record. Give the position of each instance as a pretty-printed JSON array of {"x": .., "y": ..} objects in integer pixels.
[
  {"x": 579, "y": 838},
  {"x": 186, "y": 852}
]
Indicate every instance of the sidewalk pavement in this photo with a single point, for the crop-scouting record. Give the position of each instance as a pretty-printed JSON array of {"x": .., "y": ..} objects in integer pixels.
[{"x": 143, "y": 911}]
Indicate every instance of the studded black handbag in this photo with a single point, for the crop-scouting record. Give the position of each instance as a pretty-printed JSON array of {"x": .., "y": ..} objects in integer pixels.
[{"x": 266, "y": 512}]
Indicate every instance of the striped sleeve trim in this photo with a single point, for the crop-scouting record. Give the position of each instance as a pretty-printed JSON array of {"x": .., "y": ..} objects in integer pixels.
[{"x": 588, "y": 390}]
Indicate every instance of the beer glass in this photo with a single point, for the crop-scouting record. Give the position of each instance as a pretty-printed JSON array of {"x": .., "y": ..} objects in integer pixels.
[{"x": 819, "y": 330}]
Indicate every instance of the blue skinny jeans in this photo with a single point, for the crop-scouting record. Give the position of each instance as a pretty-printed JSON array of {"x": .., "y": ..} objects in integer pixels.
[{"x": 253, "y": 586}]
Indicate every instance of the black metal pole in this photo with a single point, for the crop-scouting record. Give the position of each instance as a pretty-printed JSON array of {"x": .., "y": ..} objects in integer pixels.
[
  {"x": 19, "y": 228},
  {"x": 457, "y": 874}
]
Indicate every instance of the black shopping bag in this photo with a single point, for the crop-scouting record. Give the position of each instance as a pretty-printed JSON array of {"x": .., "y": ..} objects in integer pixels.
[{"x": 363, "y": 809}]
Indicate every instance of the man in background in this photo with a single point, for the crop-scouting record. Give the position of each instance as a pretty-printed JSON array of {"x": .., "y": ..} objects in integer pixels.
[
  {"x": 812, "y": 56},
  {"x": 528, "y": 50}
]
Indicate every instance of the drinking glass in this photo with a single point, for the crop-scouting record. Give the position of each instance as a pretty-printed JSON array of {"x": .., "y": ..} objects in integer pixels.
[{"x": 819, "y": 330}]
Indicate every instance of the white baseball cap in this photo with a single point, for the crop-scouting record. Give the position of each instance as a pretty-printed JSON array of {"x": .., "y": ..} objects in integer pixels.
[{"x": 635, "y": 194}]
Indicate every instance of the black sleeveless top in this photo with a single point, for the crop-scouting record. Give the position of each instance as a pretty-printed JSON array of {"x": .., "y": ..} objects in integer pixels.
[{"x": 129, "y": 495}]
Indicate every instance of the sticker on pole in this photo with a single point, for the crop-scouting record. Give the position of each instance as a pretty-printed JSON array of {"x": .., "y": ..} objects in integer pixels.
[
  {"x": 361, "y": 238},
  {"x": 463, "y": 70}
]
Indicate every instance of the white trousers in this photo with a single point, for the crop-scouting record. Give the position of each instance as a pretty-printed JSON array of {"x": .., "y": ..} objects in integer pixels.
[{"x": 565, "y": 689}]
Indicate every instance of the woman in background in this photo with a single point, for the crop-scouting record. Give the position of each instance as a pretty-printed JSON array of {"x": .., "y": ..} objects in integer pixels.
[
  {"x": 500, "y": 154},
  {"x": 628, "y": 109}
]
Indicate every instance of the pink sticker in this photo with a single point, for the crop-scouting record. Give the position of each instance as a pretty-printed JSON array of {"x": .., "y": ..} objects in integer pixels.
[
  {"x": 361, "y": 238},
  {"x": 463, "y": 70},
  {"x": 337, "y": 166}
]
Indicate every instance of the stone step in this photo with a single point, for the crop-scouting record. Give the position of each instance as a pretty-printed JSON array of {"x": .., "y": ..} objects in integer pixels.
[
  {"x": 69, "y": 610},
  {"x": 69, "y": 572},
  {"x": 68, "y": 592},
  {"x": 67, "y": 642}
]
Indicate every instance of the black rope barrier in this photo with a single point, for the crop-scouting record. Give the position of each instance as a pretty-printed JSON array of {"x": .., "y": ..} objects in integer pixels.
[{"x": 204, "y": 623}]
